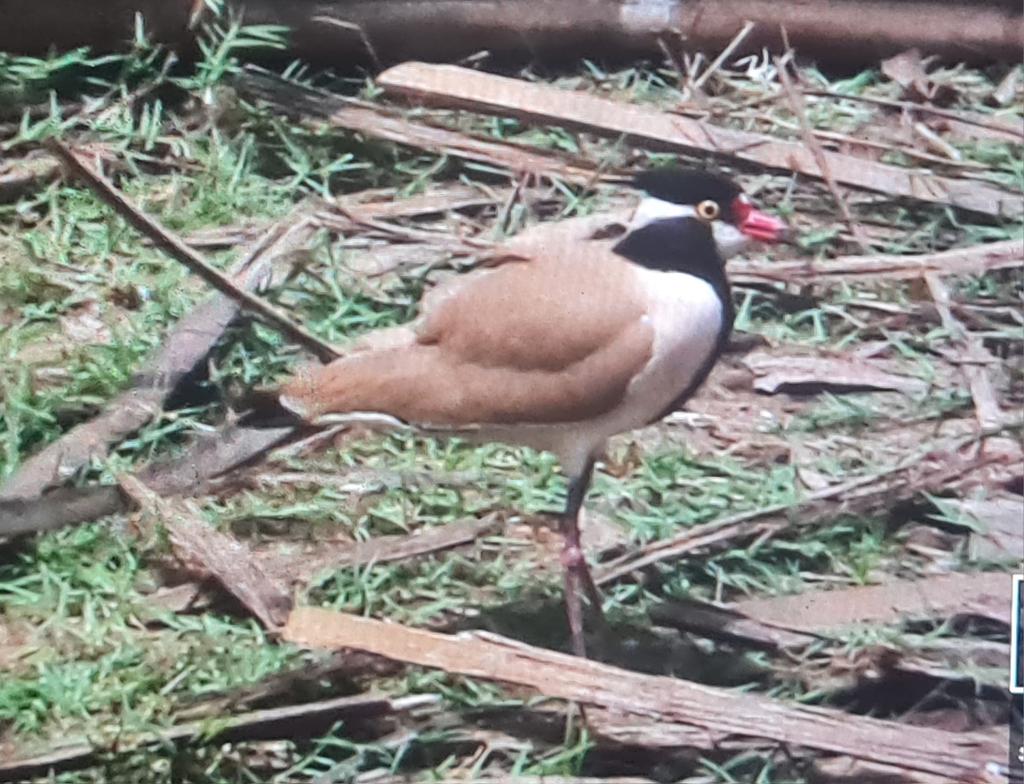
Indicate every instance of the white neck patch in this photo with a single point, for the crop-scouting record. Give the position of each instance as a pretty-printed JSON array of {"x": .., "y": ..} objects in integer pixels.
[
  {"x": 651, "y": 209},
  {"x": 728, "y": 238}
]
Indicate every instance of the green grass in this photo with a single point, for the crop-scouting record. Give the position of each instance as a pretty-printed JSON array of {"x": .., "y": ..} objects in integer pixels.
[{"x": 96, "y": 660}]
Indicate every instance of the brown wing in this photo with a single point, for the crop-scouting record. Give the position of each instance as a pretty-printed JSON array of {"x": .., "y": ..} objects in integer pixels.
[{"x": 551, "y": 339}]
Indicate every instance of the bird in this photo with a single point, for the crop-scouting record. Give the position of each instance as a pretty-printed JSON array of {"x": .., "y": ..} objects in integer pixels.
[{"x": 571, "y": 333}]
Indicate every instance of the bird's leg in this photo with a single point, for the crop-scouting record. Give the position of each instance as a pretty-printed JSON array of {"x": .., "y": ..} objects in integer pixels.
[
  {"x": 573, "y": 608},
  {"x": 576, "y": 572}
]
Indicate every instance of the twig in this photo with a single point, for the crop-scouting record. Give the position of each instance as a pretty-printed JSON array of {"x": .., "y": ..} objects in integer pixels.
[
  {"x": 986, "y": 403},
  {"x": 370, "y": 204},
  {"x": 179, "y": 251},
  {"x": 911, "y": 152},
  {"x": 959, "y": 261},
  {"x": 799, "y": 109},
  {"x": 302, "y": 567},
  {"x": 734, "y": 44},
  {"x": 481, "y": 655},
  {"x": 292, "y": 721},
  {"x": 405, "y": 233},
  {"x": 862, "y": 493},
  {"x": 907, "y": 106},
  {"x": 672, "y": 55},
  {"x": 936, "y": 142},
  {"x": 363, "y": 37}
]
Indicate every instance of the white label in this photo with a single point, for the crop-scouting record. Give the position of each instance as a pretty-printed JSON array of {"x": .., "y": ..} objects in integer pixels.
[{"x": 1016, "y": 632}]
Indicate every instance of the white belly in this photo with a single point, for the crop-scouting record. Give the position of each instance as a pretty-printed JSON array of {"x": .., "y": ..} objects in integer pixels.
[{"x": 687, "y": 315}]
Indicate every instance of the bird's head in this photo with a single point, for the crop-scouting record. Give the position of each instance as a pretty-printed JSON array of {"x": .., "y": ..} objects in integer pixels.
[{"x": 710, "y": 199}]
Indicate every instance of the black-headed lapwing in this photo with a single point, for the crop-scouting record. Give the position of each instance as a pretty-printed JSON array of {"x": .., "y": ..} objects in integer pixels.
[{"x": 572, "y": 337}]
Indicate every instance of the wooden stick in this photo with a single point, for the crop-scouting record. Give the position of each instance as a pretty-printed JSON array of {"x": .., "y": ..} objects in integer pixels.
[
  {"x": 1010, "y": 131},
  {"x": 734, "y": 44},
  {"x": 208, "y": 456},
  {"x": 986, "y": 403},
  {"x": 846, "y": 32},
  {"x": 183, "y": 347},
  {"x": 174, "y": 247},
  {"x": 451, "y": 86},
  {"x": 480, "y": 655},
  {"x": 799, "y": 109}
]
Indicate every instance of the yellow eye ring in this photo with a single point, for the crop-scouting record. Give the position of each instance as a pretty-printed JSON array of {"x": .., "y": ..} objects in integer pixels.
[{"x": 708, "y": 210}]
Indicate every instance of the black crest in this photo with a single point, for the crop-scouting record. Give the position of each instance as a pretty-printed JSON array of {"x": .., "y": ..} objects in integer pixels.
[{"x": 689, "y": 186}]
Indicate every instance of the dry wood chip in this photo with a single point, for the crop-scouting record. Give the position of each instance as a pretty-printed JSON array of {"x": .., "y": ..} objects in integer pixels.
[
  {"x": 907, "y": 70},
  {"x": 997, "y": 526},
  {"x": 985, "y": 593},
  {"x": 1006, "y": 90}
]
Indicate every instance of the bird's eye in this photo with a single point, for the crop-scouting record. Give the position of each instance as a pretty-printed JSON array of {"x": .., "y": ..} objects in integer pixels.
[{"x": 707, "y": 210}]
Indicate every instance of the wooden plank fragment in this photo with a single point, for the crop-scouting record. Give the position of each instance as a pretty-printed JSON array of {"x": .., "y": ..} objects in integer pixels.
[
  {"x": 462, "y": 88},
  {"x": 725, "y": 623},
  {"x": 837, "y": 372},
  {"x": 957, "y": 756},
  {"x": 208, "y": 456}
]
